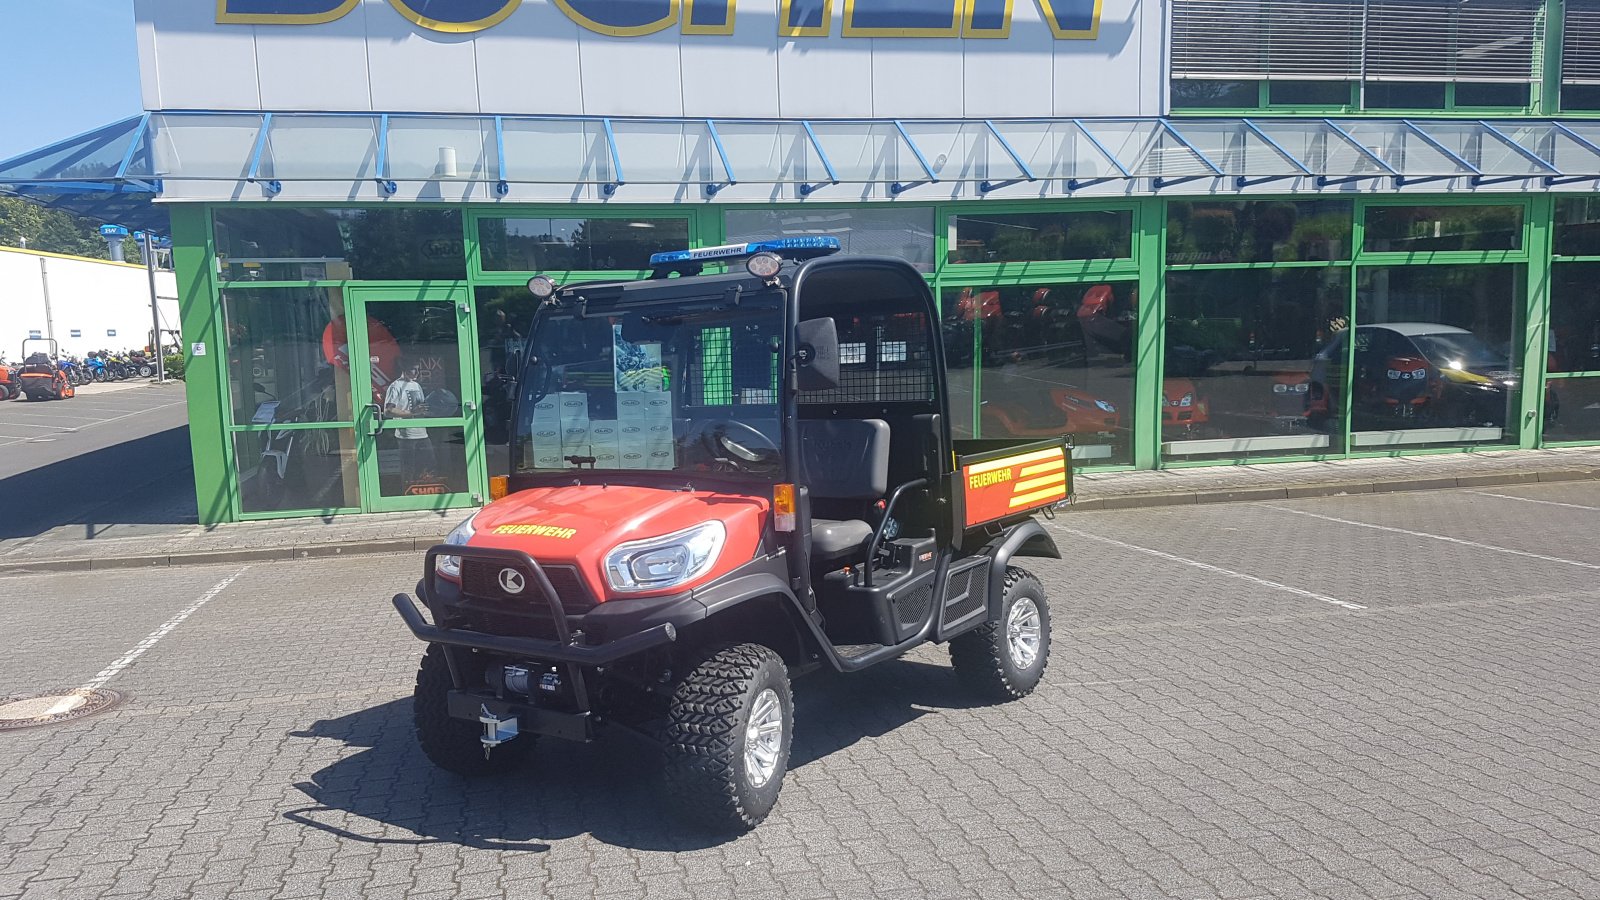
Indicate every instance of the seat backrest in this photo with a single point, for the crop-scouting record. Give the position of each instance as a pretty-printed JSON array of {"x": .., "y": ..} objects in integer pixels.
[{"x": 845, "y": 459}]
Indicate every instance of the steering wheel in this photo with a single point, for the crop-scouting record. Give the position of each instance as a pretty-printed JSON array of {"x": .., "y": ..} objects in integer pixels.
[{"x": 737, "y": 442}]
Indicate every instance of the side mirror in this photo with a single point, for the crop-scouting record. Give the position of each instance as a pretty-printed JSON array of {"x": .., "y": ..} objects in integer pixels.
[{"x": 818, "y": 354}]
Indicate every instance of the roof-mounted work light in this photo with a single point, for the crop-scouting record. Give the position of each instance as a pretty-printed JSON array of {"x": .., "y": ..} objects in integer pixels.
[
  {"x": 542, "y": 287},
  {"x": 764, "y": 265}
]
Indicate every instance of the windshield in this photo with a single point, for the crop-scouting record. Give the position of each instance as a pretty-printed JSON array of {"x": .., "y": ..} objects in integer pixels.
[
  {"x": 688, "y": 390},
  {"x": 1459, "y": 351}
]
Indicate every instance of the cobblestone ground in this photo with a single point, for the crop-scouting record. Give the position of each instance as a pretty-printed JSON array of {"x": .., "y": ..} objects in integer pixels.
[{"x": 1381, "y": 696}]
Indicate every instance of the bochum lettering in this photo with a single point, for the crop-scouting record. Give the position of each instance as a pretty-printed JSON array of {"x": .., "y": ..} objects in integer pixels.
[{"x": 1067, "y": 19}]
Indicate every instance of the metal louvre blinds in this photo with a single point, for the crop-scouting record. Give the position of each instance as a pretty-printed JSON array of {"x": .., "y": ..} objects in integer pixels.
[
  {"x": 1580, "y": 43},
  {"x": 1303, "y": 39},
  {"x": 1444, "y": 40},
  {"x": 1375, "y": 40}
]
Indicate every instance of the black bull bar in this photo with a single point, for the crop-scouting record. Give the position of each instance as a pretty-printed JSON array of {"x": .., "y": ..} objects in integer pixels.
[{"x": 564, "y": 649}]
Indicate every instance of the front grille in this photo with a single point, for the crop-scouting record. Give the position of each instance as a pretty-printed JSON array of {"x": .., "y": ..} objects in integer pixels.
[{"x": 480, "y": 581}]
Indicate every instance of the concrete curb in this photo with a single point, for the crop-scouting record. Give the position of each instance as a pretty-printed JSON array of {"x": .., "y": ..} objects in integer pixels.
[
  {"x": 1330, "y": 489},
  {"x": 1231, "y": 494},
  {"x": 50, "y": 565}
]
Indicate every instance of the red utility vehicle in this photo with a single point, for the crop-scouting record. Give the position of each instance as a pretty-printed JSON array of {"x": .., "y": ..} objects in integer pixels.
[{"x": 720, "y": 482}]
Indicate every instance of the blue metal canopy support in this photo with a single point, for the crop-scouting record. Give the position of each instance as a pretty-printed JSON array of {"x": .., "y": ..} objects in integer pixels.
[
  {"x": 271, "y": 186},
  {"x": 722, "y": 153},
  {"x": 1527, "y": 154},
  {"x": 1551, "y": 181},
  {"x": 1158, "y": 182},
  {"x": 1325, "y": 180},
  {"x": 899, "y": 188},
  {"x": 384, "y": 181},
  {"x": 1243, "y": 181},
  {"x": 827, "y": 165},
  {"x": 985, "y": 187},
  {"x": 616, "y": 181},
  {"x": 1075, "y": 183},
  {"x": 502, "y": 186},
  {"x": 1430, "y": 140}
]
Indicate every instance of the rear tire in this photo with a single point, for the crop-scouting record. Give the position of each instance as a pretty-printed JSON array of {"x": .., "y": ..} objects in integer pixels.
[
  {"x": 729, "y": 728},
  {"x": 452, "y": 744},
  {"x": 1005, "y": 660}
]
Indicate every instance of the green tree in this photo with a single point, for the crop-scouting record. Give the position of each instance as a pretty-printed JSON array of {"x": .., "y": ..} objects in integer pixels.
[{"x": 54, "y": 231}]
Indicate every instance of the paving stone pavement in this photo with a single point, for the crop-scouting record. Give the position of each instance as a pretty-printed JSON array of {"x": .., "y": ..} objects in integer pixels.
[{"x": 1219, "y": 720}]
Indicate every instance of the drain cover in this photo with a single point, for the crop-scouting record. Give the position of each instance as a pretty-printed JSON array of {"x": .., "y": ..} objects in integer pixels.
[{"x": 51, "y": 707}]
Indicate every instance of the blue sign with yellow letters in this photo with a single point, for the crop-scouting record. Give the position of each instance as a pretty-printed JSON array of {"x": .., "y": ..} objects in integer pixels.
[{"x": 1068, "y": 19}]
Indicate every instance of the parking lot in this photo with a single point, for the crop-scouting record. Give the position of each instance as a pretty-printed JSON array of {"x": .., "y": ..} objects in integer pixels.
[{"x": 1376, "y": 696}]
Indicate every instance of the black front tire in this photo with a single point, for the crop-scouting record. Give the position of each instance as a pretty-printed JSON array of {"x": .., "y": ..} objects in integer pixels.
[
  {"x": 452, "y": 744},
  {"x": 993, "y": 659},
  {"x": 709, "y": 774}
]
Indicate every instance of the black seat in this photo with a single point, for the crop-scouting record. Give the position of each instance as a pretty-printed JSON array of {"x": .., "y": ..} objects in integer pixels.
[{"x": 845, "y": 463}]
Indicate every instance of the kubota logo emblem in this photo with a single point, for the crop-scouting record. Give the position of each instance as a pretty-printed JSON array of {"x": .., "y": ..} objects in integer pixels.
[{"x": 511, "y": 581}]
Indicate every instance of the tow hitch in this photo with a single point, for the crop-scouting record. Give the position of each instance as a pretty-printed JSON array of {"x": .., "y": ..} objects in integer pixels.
[{"x": 496, "y": 731}]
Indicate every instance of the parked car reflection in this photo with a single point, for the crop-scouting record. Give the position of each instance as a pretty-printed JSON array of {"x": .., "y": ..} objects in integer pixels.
[{"x": 1415, "y": 374}]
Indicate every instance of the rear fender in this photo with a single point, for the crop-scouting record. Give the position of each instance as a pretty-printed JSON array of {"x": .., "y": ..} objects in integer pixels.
[{"x": 1026, "y": 538}]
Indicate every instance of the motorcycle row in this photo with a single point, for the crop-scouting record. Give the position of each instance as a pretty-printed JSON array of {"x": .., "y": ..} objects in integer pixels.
[{"x": 43, "y": 376}]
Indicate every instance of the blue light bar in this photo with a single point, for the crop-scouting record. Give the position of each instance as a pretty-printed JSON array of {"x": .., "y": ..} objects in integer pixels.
[{"x": 788, "y": 248}]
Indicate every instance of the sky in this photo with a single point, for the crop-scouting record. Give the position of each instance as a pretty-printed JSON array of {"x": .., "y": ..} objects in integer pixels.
[{"x": 66, "y": 66}]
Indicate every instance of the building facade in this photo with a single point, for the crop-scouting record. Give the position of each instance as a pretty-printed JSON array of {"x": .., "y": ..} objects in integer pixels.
[
  {"x": 1190, "y": 232},
  {"x": 84, "y": 304}
]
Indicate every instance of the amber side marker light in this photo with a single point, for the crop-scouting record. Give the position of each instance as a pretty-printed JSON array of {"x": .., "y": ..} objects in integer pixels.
[
  {"x": 499, "y": 486},
  {"x": 783, "y": 507}
]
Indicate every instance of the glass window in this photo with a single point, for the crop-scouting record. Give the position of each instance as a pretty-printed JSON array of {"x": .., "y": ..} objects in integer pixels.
[
  {"x": 1027, "y": 237},
  {"x": 1434, "y": 361},
  {"x": 1425, "y": 229},
  {"x": 286, "y": 355},
  {"x": 1310, "y": 93},
  {"x": 1246, "y": 372},
  {"x": 572, "y": 244},
  {"x": 960, "y": 337},
  {"x": 1053, "y": 360},
  {"x": 1572, "y": 409},
  {"x": 421, "y": 462},
  {"x": 1491, "y": 94},
  {"x": 1208, "y": 94},
  {"x": 505, "y": 316},
  {"x": 1258, "y": 231},
  {"x": 1577, "y": 231},
  {"x": 1580, "y": 96},
  {"x": 289, "y": 244},
  {"x": 1574, "y": 317},
  {"x": 296, "y": 469},
  {"x": 1405, "y": 95},
  {"x": 902, "y": 232}
]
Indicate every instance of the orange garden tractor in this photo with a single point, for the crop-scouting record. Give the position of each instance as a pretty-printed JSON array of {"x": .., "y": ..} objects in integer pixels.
[
  {"x": 40, "y": 378},
  {"x": 720, "y": 482}
]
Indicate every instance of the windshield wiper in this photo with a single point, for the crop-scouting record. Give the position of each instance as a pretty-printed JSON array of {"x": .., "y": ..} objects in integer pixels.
[{"x": 581, "y": 461}]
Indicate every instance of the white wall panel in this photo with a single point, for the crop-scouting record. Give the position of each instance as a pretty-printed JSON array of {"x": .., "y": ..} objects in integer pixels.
[
  {"x": 91, "y": 297},
  {"x": 416, "y": 70},
  {"x": 145, "y": 35},
  {"x": 532, "y": 63},
  {"x": 203, "y": 65},
  {"x": 914, "y": 77},
  {"x": 732, "y": 75},
  {"x": 631, "y": 76},
  {"x": 825, "y": 78},
  {"x": 321, "y": 69},
  {"x": 1011, "y": 76}
]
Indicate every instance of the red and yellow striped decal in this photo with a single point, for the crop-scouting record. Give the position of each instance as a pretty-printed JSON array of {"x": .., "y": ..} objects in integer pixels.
[{"x": 1013, "y": 484}]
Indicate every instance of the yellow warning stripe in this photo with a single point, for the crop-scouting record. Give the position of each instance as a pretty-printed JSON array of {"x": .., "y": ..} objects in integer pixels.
[
  {"x": 1009, "y": 461},
  {"x": 1029, "y": 499},
  {"x": 1056, "y": 466},
  {"x": 1031, "y": 484}
]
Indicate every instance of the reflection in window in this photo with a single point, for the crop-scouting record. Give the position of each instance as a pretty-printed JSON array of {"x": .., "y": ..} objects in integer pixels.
[
  {"x": 505, "y": 317},
  {"x": 1572, "y": 410},
  {"x": 1577, "y": 230},
  {"x": 296, "y": 469},
  {"x": 1249, "y": 231},
  {"x": 1241, "y": 355},
  {"x": 287, "y": 355},
  {"x": 1054, "y": 360},
  {"x": 1426, "y": 229},
  {"x": 1025, "y": 237},
  {"x": 421, "y": 462},
  {"x": 288, "y": 244},
  {"x": 573, "y": 244},
  {"x": 1433, "y": 358},
  {"x": 903, "y": 232}
]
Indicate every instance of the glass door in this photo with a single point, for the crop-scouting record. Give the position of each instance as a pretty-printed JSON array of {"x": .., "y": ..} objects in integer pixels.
[{"x": 416, "y": 425}]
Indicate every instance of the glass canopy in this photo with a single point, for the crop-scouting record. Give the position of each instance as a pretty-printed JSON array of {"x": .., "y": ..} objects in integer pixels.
[{"x": 112, "y": 168}]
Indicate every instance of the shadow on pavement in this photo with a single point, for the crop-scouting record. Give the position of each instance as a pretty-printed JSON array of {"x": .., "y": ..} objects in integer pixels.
[
  {"x": 143, "y": 481},
  {"x": 390, "y": 794}
]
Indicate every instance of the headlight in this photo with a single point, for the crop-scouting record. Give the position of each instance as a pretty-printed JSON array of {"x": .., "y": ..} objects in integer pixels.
[
  {"x": 666, "y": 561},
  {"x": 450, "y": 566},
  {"x": 1188, "y": 400},
  {"x": 1105, "y": 407}
]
